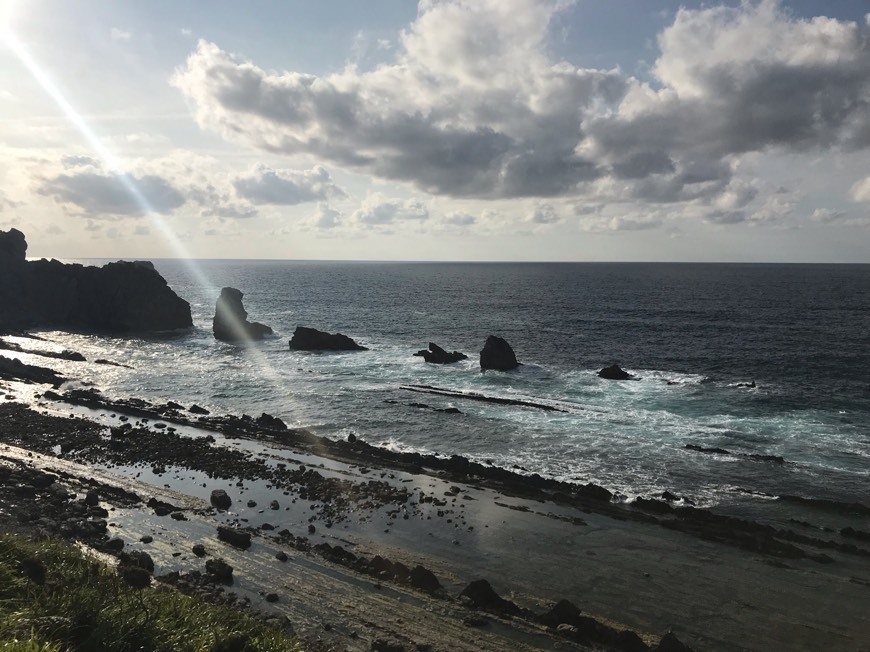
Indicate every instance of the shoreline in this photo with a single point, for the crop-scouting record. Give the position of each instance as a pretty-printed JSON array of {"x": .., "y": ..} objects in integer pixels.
[{"x": 646, "y": 567}]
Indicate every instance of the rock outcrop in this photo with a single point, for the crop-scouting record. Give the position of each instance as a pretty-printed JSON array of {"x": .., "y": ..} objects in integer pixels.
[
  {"x": 120, "y": 297},
  {"x": 614, "y": 372},
  {"x": 436, "y": 355},
  {"x": 311, "y": 339},
  {"x": 497, "y": 354},
  {"x": 230, "y": 323}
]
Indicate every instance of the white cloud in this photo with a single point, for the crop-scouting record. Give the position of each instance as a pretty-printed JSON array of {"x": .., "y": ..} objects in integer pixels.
[
  {"x": 376, "y": 210},
  {"x": 828, "y": 216},
  {"x": 459, "y": 114},
  {"x": 860, "y": 192},
  {"x": 120, "y": 34},
  {"x": 324, "y": 217},
  {"x": 459, "y": 219}
]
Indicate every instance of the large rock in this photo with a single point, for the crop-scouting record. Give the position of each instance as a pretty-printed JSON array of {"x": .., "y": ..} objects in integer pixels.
[
  {"x": 436, "y": 355},
  {"x": 120, "y": 297},
  {"x": 497, "y": 354},
  {"x": 614, "y": 372},
  {"x": 13, "y": 247},
  {"x": 311, "y": 339},
  {"x": 231, "y": 323}
]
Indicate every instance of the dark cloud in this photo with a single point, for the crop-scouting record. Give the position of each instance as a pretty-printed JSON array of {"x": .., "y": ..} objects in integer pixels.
[
  {"x": 464, "y": 116},
  {"x": 286, "y": 187},
  {"x": 99, "y": 193}
]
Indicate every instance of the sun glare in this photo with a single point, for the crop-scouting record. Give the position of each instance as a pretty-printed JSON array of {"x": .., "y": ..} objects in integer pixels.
[{"x": 112, "y": 163}]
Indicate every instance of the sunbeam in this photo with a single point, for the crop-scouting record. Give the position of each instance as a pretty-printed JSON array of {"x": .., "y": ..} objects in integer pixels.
[{"x": 113, "y": 164}]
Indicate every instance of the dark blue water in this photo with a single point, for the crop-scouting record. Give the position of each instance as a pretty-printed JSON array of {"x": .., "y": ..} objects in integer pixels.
[{"x": 693, "y": 334}]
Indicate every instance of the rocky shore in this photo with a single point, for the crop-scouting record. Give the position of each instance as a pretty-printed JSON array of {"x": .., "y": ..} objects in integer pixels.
[{"x": 362, "y": 548}]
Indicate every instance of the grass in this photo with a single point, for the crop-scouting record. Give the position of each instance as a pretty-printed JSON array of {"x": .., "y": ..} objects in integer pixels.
[{"x": 54, "y": 599}]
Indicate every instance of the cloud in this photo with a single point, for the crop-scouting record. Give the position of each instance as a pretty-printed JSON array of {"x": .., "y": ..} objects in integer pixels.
[
  {"x": 618, "y": 224},
  {"x": 96, "y": 192},
  {"x": 860, "y": 192},
  {"x": 459, "y": 219},
  {"x": 324, "y": 217},
  {"x": 458, "y": 114},
  {"x": 376, "y": 210},
  {"x": 286, "y": 187},
  {"x": 120, "y": 34},
  {"x": 544, "y": 214}
]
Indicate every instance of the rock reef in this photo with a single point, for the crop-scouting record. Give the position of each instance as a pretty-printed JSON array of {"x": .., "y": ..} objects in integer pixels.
[
  {"x": 311, "y": 339},
  {"x": 436, "y": 355},
  {"x": 230, "y": 323},
  {"x": 121, "y": 297}
]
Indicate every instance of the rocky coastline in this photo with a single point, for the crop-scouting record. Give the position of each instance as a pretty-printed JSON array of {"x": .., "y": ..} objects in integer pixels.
[{"x": 51, "y": 444}]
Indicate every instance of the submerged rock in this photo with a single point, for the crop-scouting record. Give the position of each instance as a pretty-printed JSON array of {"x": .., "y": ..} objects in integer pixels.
[
  {"x": 497, "y": 354},
  {"x": 436, "y": 355},
  {"x": 231, "y": 323},
  {"x": 221, "y": 499},
  {"x": 614, "y": 372},
  {"x": 311, "y": 339}
]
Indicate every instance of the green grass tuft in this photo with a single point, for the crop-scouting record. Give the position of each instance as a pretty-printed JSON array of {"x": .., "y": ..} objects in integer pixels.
[{"x": 53, "y": 598}]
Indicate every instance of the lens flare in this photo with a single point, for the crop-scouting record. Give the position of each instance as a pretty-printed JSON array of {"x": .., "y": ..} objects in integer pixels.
[{"x": 111, "y": 162}]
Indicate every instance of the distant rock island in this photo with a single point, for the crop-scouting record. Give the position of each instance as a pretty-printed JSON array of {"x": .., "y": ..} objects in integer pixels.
[
  {"x": 230, "y": 323},
  {"x": 436, "y": 355},
  {"x": 122, "y": 297},
  {"x": 311, "y": 339},
  {"x": 497, "y": 354}
]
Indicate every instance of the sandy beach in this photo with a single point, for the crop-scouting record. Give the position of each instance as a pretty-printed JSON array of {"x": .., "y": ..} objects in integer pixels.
[{"x": 358, "y": 547}]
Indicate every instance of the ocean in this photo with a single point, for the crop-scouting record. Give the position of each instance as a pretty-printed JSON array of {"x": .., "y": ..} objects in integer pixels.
[{"x": 697, "y": 336}]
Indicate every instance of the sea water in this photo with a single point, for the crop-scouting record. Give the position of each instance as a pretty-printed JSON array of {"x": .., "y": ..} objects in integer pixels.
[{"x": 696, "y": 336}]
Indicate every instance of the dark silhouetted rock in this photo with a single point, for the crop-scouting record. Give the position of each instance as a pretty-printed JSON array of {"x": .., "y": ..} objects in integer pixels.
[
  {"x": 613, "y": 372},
  {"x": 138, "y": 558},
  {"x": 497, "y": 354},
  {"x": 221, "y": 499},
  {"x": 196, "y": 409},
  {"x": 120, "y": 297},
  {"x": 436, "y": 355},
  {"x": 311, "y": 339},
  {"x": 424, "y": 579},
  {"x": 231, "y": 323},
  {"x": 670, "y": 643},
  {"x": 14, "y": 369},
  {"x": 233, "y": 537},
  {"x": 271, "y": 423},
  {"x": 219, "y": 571},
  {"x": 13, "y": 247},
  {"x": 483, "y": 596},
  {"x": 564, "y": 611}
]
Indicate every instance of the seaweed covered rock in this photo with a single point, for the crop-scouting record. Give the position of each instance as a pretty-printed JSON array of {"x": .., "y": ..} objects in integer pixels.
[
  {"x": 311, "y": 339},
  {"x": 121, "y": 297},
  {"x": 497, "y": 354},
  {"x": 436, "y": 355},
  {"x": 230, "y": 323}
]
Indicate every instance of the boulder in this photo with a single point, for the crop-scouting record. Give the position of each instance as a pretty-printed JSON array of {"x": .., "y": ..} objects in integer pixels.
[
  {"x": 221, "y": 499},
  {"x": 219, "y": 571},
  {"x": 311, "y": 339},
  {"x": 436, "y": 355},
  {"x": 119, "y": 297},
  {"x": 424, "y": 579},
  {"x": 231, "y": 323},
  {"x": 482, "y": 596},
  {"x": 614, "y": 372},
  {"x": 497, "y": 354},
  {"x": 235, "y": 538}
]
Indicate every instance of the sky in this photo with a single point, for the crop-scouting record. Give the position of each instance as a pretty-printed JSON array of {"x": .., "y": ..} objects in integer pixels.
[{"x": 527, "y": 130}]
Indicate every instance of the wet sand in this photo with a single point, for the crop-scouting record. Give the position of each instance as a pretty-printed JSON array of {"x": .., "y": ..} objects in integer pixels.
[{"x": 717, "y": 582}]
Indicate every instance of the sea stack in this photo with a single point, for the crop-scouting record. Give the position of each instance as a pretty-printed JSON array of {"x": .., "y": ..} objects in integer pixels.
[
  {"x": 311, "y": 339},
  {"x": 231, "y": 320},
  {"x": 497, "y": 354},
  {"x": 120, "y": 297}
]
